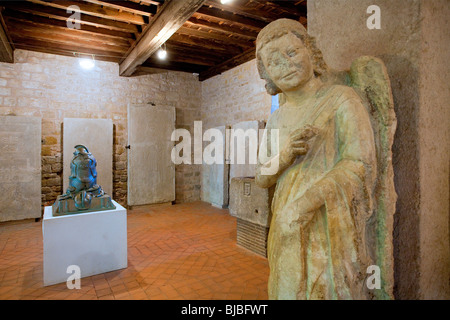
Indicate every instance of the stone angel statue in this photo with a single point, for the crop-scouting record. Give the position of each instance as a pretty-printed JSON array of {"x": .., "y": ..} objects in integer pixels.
[{"x": 328, "y": 151}]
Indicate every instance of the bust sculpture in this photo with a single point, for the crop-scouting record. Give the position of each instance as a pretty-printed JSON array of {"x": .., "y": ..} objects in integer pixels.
[
  {"x": 83, "y": 193},
  {"x": 334, "y": 198}
]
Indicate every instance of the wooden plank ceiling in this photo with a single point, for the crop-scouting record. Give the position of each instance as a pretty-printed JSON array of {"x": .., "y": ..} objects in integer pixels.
[{"x": 200, "y": 36}]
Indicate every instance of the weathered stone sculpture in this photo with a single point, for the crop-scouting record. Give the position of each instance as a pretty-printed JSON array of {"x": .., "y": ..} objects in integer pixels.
[
  {"x": 83, "y": 193},
  {"x": 334, "y": 200}
]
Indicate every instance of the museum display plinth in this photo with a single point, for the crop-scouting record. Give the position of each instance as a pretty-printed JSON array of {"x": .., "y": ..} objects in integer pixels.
[{"x": 94, "y": 241}]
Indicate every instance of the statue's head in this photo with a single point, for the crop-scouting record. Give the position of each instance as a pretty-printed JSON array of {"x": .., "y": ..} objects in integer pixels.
[
  {"x": 287, "y": 56},
  {"x": 80, "y": 149}
]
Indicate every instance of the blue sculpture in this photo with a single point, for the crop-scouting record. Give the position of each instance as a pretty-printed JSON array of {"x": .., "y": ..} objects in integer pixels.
[{"x": 83, "y": 193}]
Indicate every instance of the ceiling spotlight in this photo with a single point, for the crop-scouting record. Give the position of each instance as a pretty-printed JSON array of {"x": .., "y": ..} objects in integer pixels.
[
  {"x": 87, "y": 64},
  {"x": 162, "y": 54},
  {"x": 225, "y": 1}
]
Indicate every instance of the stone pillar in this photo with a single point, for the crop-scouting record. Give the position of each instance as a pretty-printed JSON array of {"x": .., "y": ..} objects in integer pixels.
[{"x": 413, "y": 42}]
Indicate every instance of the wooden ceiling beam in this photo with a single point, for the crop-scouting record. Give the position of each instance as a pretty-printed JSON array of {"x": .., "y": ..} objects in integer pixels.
[
  {"x": 227, "y": 65},
  {"x": 156, "y": 3},
  {"x": 231, "y": 17},
  {"x": 69, "y": 53},
  {"x": 176, "y": 57},
  {"x": 197, "y": 42},
  {"x": 67, "y": 40},
  {"x": 170, "y": 17},
  {"x": 249, "y": 34},
  {"x": 176, "y": 66},
  {"x": 214, "y": 36},
  {"x": 62, "y": 15},
  {"x": 242, "y": 10},
  {"x": 62, "y": 25},
  {"x": 131, "y": 7},
  {"x": 175, "y": 52},
  {"x": 94, "y": 10},
  {"x": 142, "y": 71},
  {"x": 64, "y": 49},
  {"x": 197, "y": 51},
  {"x": 71, "y": 34},
  {"x": 6, "y": 47},
  {"x": 287, "y": 6},
  {"x": 223, "y": 28}
]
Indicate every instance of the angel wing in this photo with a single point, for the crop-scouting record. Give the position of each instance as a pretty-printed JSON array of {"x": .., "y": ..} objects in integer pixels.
[{"x": 369, "y": 77}]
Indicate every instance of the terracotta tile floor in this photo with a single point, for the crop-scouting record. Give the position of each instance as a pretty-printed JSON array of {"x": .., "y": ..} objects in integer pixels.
[{"x": 184, "y": 251}]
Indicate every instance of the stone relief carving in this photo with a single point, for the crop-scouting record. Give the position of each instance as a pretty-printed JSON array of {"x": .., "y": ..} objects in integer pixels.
[{"x": 334, "y": 200}]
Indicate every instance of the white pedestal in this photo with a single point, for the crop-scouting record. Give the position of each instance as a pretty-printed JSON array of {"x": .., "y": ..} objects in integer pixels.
[{"x": 94, "y": 241}]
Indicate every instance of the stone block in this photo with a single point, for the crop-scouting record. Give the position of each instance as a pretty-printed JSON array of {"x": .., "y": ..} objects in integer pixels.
[
  {"x": 20, "y": 168},
  {"x": 215, "y": 178},
  {"x": 151, "y": 172},
  {"x": 248, "y": 130},
  {"x": 250, "y": 202}
]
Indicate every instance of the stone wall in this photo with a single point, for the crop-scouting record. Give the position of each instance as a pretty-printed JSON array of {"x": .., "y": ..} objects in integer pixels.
[
  {"x": 413, "y": 42},
  {"x": 55, "y": 87},
  {"x": 234, "y": 96},
  {"x": 434, "y": 138}
]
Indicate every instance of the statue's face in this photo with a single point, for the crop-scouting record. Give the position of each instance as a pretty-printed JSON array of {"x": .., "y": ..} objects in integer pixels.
[{"x": 287, "y": 62}]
